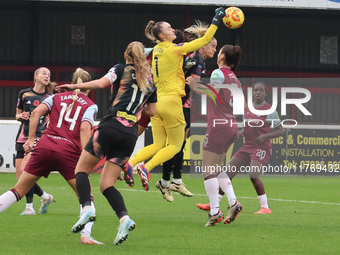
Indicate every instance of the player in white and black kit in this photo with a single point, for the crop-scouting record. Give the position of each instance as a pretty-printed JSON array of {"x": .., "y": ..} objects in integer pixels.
[
  {"x": 28, "y": 100},
  {"x": 116, "y": 135}
]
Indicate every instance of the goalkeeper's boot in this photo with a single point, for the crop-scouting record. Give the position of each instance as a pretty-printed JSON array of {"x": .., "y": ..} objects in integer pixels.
[
  {"x": 144, "y": 176},
  {"x": 128, "y": 174}
]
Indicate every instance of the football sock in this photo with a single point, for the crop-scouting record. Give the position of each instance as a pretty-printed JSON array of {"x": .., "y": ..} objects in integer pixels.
[
  {"x": 263, "y": 201},
  {"x": 88, "y": 227},
  {"x": 178, "y": 181},
  {"x": 165, "y": 183},
  {"x": 211, "y": 187},
  {"x": 38, "y": 190},
  {"x": 83, "y": 189},
  {"x": 178, "y": 165},
  {"x": 29, "y": 206},
  {"x": 116, "y": 201},
  {"x": 86, "y": 208},
  {"x": 123, "y": 219},
  {"x": 220, "y": 197},
  {"x": 29, "y": 196},
  {"x": 157, "y": 151},
  {"x": 7, "y": 199},
  {"x": 167, "y": 169},
  {"x": 225, "y": 184},
  {"x": 144, "y": 154},
  {"x": 45, "y": 195}
]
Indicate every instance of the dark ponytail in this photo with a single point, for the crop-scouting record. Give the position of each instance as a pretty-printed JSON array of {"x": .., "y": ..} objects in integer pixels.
[{"x": 232, "y": 55}]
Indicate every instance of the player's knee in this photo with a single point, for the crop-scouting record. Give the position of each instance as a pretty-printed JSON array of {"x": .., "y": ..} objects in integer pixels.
[
  {"x": 175, "y": 148},
  {"x": 159, "y": 146},
  {"x": 254, "y": 179}
]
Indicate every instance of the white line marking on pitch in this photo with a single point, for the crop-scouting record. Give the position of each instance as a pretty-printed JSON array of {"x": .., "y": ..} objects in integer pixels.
[
  {"x": 204, "y": 195},
  {"x": 271, "y": 199}
]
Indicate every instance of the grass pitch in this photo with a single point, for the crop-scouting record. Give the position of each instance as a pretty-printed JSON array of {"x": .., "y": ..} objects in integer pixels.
[{"x": 305, "y": 220}]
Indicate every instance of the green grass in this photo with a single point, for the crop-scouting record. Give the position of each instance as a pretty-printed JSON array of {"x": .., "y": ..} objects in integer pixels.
[{"x": 305, "y": 220}]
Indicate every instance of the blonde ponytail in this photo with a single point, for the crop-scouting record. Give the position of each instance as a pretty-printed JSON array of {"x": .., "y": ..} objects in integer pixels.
[
  {"x": 75, "y": 97},
  {"x": 79, "y": 76},
  {"x": 198, "y": 29},
  {"x": 135, "y": 51}
]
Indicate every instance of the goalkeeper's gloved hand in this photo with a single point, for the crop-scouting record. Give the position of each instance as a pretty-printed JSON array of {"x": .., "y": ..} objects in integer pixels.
[{"x": 219, "y": 15}]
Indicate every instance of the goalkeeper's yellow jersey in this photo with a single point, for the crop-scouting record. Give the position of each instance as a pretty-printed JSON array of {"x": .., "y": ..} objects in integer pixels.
[{"x": 167, "y": 63}]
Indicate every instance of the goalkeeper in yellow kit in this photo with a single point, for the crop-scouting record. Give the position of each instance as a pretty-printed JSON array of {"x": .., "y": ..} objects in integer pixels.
[{"x": 168, "y": 122}]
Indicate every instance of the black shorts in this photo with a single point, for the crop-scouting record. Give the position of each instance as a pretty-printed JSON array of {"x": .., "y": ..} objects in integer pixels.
[
  {"x": 186, "y": 112},
  {"x": 19, "y": 147},
  {"x": 112, "y": 143}
]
